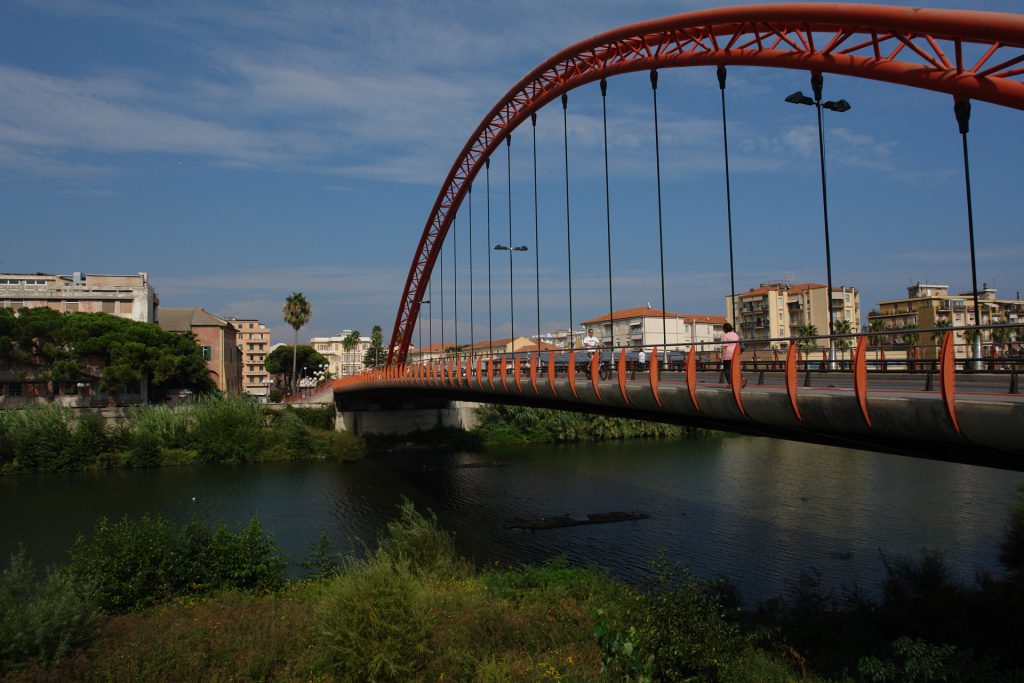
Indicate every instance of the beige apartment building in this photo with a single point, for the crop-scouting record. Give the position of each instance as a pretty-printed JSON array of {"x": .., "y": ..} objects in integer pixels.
[
  {"x": 777, "y": 310},
  {"x": 127, "y": 296},
  {"x": 647, "y": 327},
  {"x": 932, "y": 306},
  {"x": 254, "y": 344},
  {"x": 342, "y": 361}
]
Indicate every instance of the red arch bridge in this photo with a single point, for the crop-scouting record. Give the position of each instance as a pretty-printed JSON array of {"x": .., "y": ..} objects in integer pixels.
[{"x": 955, "y": 396}]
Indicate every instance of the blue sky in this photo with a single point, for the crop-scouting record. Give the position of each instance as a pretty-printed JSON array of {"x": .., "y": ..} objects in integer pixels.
[{"x": 241, "y": 151}]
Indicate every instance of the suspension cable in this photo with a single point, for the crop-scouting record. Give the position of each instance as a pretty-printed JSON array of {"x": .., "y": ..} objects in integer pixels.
[
  {"x": 440, "y": 257},
  {"x": 962, "y": 109},
  {"x": 455, "y": 285},
  {"x": 661, "y": 239},
  {"x": 568, "y": 231},
  {"x": 490, "y": 321},
  {"x": 430, "y": 297},
  {"x": 608, "y": 208},
  {"x": 511, "y": 290},
  {"x": 728, "y": 198},
  {"x": 536, "y": 224},
  {"x": 472, "y": 330}
]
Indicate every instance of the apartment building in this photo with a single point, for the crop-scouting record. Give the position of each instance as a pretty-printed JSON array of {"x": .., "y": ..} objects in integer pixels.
[
  {"x": 777, "y": 310},
  {"x": 254, "y": 344},
  {"x": 932, "y": 306},
  {"x": 646, "y": 327},
  {"x": 128, "y": 296},
  {"x": 341, "y": 361},
  {"x": 218, "y": 340}
]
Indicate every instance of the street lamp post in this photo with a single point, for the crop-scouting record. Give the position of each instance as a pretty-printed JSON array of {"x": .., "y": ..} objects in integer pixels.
[
  {"x": 837, "y": 106},
  {"x": 511, "y": 291}
]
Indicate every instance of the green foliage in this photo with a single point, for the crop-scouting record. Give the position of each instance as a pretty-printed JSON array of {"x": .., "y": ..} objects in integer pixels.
[
  {"x": 227, "y": 429},
  {"x": 323, "y": 560},
  {"x": 46, "y": 619},
  {"x": 126, "y": 350},
  {"x": 307, "y": 359},
  {"x": 317, "y": 418},
  {"x": 807, "y": 332},
  {"x": 136, "y": 564},
  {"x": 38, "y": 437},
  {"x": 372, "y": 623},
  {"x": 516, "y": 424},
  {"x": 375, "y": 356},
  {"x": 620, "y": 652},
  {"x": 417, "y": 539},
  {"x": 339, "y": 445},
  {"x": 145, "y": 451},
  {"x": 843, "y": 327},
  {"x": 918, "y": 661}
]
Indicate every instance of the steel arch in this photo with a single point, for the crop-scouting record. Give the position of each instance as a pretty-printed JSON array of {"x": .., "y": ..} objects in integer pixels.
[{"x": 898, "y": 45}]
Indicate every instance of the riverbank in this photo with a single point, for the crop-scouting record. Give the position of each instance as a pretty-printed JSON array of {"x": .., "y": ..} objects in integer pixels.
[
  {"x": 210, "y": 430},
  {"x": 411, "y": 610}
]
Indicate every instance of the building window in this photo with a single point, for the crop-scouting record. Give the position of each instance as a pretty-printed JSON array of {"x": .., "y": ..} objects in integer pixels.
[
  {"x": 207, "y": 352},
  {"x": 107, "y": 307},
  {"x": 15, "y": 389}
]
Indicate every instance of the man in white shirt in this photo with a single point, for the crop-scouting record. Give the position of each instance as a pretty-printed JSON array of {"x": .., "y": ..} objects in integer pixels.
[{"x": 590, "y": 341}]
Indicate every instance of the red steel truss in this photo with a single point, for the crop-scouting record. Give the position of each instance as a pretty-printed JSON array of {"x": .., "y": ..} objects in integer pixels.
[{"x": 899, "y": 45}]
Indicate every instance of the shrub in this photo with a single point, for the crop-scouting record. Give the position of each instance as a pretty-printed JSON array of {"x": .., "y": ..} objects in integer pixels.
[
  {"x": 145, "y": 451},
  {"x": 294, "y": 434},
  {"x": 229, "y": 428},
  {"x": 317, "y": 418},
  {"x": 417, "y": 539},
  {"x": 170, "y": 426},
  {"x": 372, "y": 623},
  {"x": 175, "y": 457},
  {"x": 39, "y": 435},
  {"x": 136, "y": 564},
  {"x": 46, "y": 619},
  {"x": 339, "y": 445},
  {"x": 88, "y": 442}
]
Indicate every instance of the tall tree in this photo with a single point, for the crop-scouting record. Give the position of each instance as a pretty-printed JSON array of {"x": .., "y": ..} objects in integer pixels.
[
  {"x": 309, "y": 360},
  {"x": 297, "y": 313},
  {"x": 806, "y": 342},
  {"x": 375, "y": 356},
  {"x": 351, "y": 341}
]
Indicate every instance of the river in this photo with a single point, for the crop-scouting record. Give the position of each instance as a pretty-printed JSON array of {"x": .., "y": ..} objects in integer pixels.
[{"x": 757, "y": 511}]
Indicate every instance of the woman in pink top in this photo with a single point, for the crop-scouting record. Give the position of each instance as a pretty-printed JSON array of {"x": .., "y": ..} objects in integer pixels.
[{"x": 730, "y": 347}]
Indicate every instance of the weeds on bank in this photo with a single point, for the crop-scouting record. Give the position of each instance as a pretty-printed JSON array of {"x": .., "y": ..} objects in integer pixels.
[{"x": 231, "y": 429}]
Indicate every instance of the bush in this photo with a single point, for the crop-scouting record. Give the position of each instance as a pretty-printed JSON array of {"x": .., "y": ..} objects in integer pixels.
[
  {"x": 517, "y": 424},
  {"x": 418, "y": 540},
  {"x": 339, "y": 445},
  {"x": 88, "y": 442},
  {"x": 372, "y": 623},
  {"x": 136, "y": 564},
  {"x": 229, "y": 428},
  {"x": 317, "y": 418},
  {"x": 145, "y": 451},
  {"x": 39, "y": 436},
  {"x": 170, "y": 426},
  {"x": 678, "y": 628},
  {"x": 43, "y": 620},
  {"x": 294, "y": 435}
]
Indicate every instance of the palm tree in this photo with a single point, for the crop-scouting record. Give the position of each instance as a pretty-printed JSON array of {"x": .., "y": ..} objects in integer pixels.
[
  {"x": 876, "y": 325},
  {"x": 297, "y": 313},
  {"x": 843, "y": 327},
  {"x": 939, "y": 334},
  {"x": 807, "y": 330}
]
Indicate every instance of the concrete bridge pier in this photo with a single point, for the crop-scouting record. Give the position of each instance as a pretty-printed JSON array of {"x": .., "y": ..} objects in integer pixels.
[{"x": 383, "y": 415}]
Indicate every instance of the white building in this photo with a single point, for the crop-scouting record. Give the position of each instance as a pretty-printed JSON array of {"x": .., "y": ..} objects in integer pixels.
[
  {"x": 341, "y": 361},
  {"x": 647, "y": 327}
]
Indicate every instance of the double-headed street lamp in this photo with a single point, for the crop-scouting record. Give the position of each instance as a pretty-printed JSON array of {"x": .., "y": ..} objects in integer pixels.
[
  {"x": 511, "y": 292},
  {"x": 837, "y": 106}
]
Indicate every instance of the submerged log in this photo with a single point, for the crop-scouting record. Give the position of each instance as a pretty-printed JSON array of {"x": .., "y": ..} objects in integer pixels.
[{"x": 559, "y": 521}]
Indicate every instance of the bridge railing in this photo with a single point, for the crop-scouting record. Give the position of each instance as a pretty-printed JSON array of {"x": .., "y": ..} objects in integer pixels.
[{"x": 989, "y": 357}]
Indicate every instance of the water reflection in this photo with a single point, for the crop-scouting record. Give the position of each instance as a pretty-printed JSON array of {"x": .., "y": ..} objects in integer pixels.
[{"x": 756, "y": 510}]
